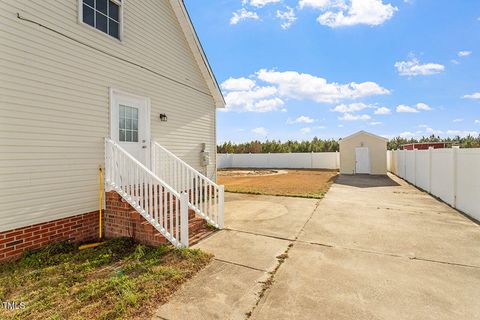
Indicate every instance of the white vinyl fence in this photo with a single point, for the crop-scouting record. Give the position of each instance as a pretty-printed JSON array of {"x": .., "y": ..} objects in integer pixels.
[
  {"x": 320, "y": 160},
  {"x": 453, "y": 175}
]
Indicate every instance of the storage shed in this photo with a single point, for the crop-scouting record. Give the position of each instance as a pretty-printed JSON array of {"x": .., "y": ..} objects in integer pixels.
[{"x": 363, "y": 153}]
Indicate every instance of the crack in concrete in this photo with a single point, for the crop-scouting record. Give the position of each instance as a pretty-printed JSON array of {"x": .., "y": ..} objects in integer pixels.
[
  {"x": 389, "y": 254},
  {"x": 259, "y": 234},
  {"x": 446, "y": 262},
  {"x": 269, "y": 282},
  {"x": 281, "y": 259},
  {"x": 239, "y": 264}
]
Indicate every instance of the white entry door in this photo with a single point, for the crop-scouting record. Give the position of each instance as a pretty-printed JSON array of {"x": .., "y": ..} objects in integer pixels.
[
  {"x": 130, "y": 124},
  {"x": 362, "y": 160}
]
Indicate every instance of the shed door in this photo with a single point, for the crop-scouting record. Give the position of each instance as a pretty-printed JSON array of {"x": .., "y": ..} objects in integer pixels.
[{"x": 362, "y": 160}]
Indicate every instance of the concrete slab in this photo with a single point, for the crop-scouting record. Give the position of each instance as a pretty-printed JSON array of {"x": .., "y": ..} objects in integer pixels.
[
  {"x": 392, "y": 217},
  {"x": 220, "y": 291},
  {"x": 250, "y": 250},
  {"x": 281, "y": 217},
  {"x": 319, "y": 282}
]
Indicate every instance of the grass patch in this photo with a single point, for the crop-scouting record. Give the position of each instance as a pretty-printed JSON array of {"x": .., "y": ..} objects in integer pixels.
[{"x": 118, "y": 280}]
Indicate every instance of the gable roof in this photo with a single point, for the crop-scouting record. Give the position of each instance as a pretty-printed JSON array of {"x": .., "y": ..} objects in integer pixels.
[
  {"x": 364, "y": 132},
  {"x": 197, "y": 50}
]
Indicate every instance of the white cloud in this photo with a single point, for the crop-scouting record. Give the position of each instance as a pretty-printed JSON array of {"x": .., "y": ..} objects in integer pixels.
[
  {"x": 268, "y": 105},
  {"x": 406, "y": 109},
  {"x": 375, "y": 123},
  {"x": 238, "y": 84},
  {"x": 431, "y": 131},
  {"x": 382, "y": 111},
  {"x": 475, "y": 95},
  {"x": 455, "y": 61},
  {"x": 261, "y": 131},
  {"x": 457, "y": 120},
  {"x": 355, "y": 117},
  {"x": 306, "y": 130},
  {"x": 407, "y": 134},
  {"x": 464, "y": 53},
  {"x": 462, "y": 133},
  {"x": 477, "y": 121},
  {"x": 288, "y": 16},
  {"x": 413, "y": 67},
  {"x": 260, "y": 3},
  {"x": 258, "y": 99},
  {"x": 267, "y": 91},
  {"x": 350, "y": 108},
  {"x": 317, "y": 4},
  {"x": 338, "y": 13},
  {"x": 243, "y": 14},
  {"x": 301, "y": 119},
  {"x": 297, "y": 85},
  {"x": 423, "y": 106}
]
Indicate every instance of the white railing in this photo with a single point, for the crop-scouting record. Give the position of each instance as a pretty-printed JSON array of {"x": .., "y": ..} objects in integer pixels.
[
  {"x": 206, "y": 197},
  {"x": 161, "y": 205}
]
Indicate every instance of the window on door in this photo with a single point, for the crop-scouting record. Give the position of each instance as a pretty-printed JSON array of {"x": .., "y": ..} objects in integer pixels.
[
  {"x": 103, "y": 15},
  {"x": 128, "y": 124}
]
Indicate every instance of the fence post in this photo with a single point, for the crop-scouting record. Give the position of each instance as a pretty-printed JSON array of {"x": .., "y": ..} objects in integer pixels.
[
  {"x": 415, "y": 167},
  {"x": 221, "y": 209},
  {"x": 184, "y": 219},
  {"x": 430, "y": 157},
  {"x": 455, "y": 174},
  {"x": 404, "y": 164}
]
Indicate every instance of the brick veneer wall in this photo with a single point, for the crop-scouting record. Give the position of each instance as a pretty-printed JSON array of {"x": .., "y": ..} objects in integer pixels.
[
  {"x": 121, "y": 220},
  {"x": 78, "y": 229}
]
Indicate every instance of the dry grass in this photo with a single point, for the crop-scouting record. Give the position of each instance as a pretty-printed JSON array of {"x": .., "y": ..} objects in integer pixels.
[
  {"x": 117, "y": 280},
  {"x": 294, "y": 183}
]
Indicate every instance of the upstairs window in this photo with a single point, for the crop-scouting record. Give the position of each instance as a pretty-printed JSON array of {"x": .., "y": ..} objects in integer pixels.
[{"x": 103, "y": 15}]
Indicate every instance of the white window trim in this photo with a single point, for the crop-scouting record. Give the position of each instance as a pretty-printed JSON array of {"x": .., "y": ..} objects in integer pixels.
[{"x": 121, "y": 7}]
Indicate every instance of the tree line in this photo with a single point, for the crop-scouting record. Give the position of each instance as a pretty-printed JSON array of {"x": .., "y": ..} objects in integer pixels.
[
  {"x": 331, "y": 145},
  {"x": 463, "y": 142}
]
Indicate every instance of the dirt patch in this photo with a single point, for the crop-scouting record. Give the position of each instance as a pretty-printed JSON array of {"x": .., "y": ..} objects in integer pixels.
[{"x": 297, "y": 183}]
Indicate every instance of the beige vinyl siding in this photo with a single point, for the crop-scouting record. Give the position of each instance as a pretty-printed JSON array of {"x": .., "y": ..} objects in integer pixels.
[
  {"x": 54, "y": 102},
  {"x": 377, "y": 147}
]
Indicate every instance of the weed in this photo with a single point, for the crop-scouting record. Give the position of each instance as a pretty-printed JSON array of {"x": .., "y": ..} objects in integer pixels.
[{"x": 106, "y": 282}]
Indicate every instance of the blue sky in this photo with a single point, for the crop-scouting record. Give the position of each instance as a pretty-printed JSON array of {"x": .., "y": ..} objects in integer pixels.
[{"x": 295, "y": 69}]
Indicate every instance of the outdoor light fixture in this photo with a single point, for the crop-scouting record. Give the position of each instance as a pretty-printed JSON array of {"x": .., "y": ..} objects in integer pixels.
[{"x": 163, "y": 117}]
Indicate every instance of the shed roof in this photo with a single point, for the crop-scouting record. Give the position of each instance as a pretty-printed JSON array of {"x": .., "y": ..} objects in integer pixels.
[
  {"x": 197, "y": 50},
  {"x": 366, "y": 133}
]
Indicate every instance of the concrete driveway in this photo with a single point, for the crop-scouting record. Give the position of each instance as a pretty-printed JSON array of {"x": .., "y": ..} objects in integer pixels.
[{"x": 373, "y": 248}]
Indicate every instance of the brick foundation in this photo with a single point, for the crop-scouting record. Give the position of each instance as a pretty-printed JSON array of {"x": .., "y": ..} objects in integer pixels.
[
  {"x": 78, "y": 229},
  {"x": 121, "y": 220}
]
